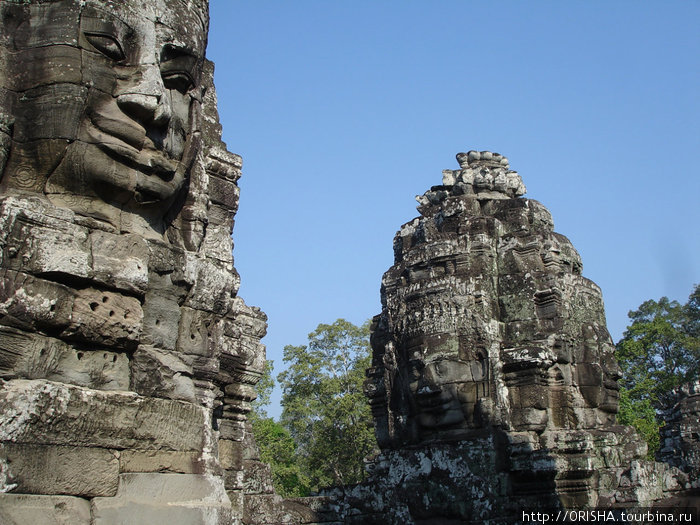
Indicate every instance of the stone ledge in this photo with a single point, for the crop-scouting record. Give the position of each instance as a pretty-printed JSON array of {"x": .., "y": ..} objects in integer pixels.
[
  {"x": 147, "y": 499},
  {"x": 75, "y": 471}
]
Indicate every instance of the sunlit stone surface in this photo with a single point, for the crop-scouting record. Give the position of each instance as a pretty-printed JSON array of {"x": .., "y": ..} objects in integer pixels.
[
  {"x": 493, "y": 383},
  {"x": 127, "y": 361}
]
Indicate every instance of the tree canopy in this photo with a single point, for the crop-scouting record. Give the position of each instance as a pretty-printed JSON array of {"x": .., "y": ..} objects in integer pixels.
[
  {"x": 659, "y": 350},
  {"x": 324, "y": 407},
  {"x": 277, "y": 448},
  {"x": 326, "y": 429}
]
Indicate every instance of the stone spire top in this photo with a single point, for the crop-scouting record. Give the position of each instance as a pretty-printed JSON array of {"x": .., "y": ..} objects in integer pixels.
[
  {"x": 482, "y": 173},
  {"x": 482, "y": 158}
]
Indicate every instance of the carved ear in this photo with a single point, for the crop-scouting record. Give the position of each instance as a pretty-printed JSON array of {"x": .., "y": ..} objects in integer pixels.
[{"x": 5, "y": 139}]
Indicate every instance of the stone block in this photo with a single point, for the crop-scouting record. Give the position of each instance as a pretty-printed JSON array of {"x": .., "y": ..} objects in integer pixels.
[
  {"x": 37, "y": 66},
  {"x": 195, "y": 332},
  {"x": 216, "y": 285},
  {"x": 234, "y": 480},
  {"x": 267, "y": 509},
  {"x": 517, "y": 307},
  {"x": 529, "y": 419},
  {"x": 204, "y": 368},
  {"x": 53, "y": 23},
  {"x": 221, "y": 216},
  {"x": 42, "y": 240},
  {"x": 160, "y": 373},
  {"x": 120, "y": 261},
  {"x": 43, "y": 412},
  {"x": 148, "y": 499},
  {"x": 230, "y": 454},
  {"x": 218, "y": 243},
  {"x": 223, "y": 192},
  {"x": 74, "y": 471},
  {"x": 34, "y": 303},
  {"x": 231, "y": 429},
  {"x": 257, "y": 478},
  {"x": 161, "y": 316},
  {"x": 27, "y": 509},
  {"x": 53, "y": 112},
  {"x": 164, "y": 258},
  {"x": 161, "y": 461},
  {"x": 34, "y": 356},
  {"x": 106, "y": 318}
]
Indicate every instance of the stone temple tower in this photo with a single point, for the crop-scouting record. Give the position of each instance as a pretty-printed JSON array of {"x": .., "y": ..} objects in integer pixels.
[{"x": 493, "y": 383}]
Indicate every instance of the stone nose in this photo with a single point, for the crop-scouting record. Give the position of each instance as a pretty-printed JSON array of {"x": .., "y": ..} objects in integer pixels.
[
  {"x": 139, "y": 107},
  {"x": 147, "y": 100}
]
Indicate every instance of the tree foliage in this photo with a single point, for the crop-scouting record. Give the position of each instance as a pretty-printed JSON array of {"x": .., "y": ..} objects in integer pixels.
[
  {"x": 659, "y": 350},
  {"x": 641, "y": 414},
  {"x": 324, "y": 408},
  {"x": 264, "y": 389},
  {"x": 277, "y": 448}
]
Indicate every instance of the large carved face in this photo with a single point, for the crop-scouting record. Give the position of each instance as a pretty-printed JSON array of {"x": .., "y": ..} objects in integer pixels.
[
  {"x": 597, "y": 371},
  {"x": 108, "y": 107},
  {"x": 445, "y": 382}
]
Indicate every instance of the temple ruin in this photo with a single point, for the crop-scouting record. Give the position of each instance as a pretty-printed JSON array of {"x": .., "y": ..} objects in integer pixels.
[
  {"x": 128, "y": 362},
  {"x": 494, "y": 383}
]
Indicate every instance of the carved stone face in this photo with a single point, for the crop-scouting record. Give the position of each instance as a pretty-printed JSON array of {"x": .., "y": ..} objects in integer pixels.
[
  {"x": 598, "y": 372},
  {"x": 445, "y": 384},
  {"x": 437, "y": 407},
  {"x": 108, "y": 108}
]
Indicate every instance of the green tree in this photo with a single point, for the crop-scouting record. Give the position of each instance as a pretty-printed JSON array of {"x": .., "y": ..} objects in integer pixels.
[
  {"x": 264, "y": 389},
  {"x": 659, "y": 350},
  {"x": 277, "y": 448},
  {"x": 324, "y": 407},
  {"x": 641, "y": 414}
]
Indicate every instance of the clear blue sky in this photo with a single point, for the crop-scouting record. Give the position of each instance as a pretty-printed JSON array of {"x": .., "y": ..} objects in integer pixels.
[{"x": 343, "y": 111}]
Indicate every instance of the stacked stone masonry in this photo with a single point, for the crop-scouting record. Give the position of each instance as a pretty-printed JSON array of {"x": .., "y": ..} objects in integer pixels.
[
  {"x": 493, "y": 383},
  {"x": 128, "y": 362},
  {"x": 680, "y": 435}
]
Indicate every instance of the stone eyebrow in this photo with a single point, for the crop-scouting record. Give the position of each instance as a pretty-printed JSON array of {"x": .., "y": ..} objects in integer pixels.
[{"x": 101, "y": 22}]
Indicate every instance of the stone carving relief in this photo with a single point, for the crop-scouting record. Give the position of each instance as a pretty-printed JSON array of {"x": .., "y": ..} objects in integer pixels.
[
  {"x": 103, "y": 113},
  {"x": 128, "y": 362},
  {"x": 493, "y": 383},
  {"x": 487, "y": 317},
  {"x": 119, "y": 313}
]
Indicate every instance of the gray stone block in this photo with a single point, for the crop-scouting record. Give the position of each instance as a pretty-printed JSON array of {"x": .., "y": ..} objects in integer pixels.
[
  {"x": 49, "y": 469},
  {"x": 149, "y": 499},
  {"x": 26, "y": 509}
]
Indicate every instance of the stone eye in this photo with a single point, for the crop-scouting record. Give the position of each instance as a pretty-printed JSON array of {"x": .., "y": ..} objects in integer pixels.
[
  {"x": 179, "y": 80},
  {"x": 107, "y": 45}
]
